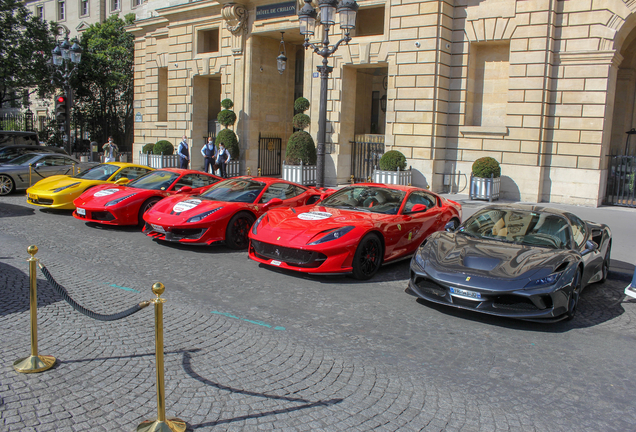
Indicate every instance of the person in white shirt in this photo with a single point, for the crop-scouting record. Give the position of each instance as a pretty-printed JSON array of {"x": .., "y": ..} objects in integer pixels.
[
  {"x": 110, "y": 150},
  {"x": 222, "y": 158},
  {"x": 209, "y": 155}
]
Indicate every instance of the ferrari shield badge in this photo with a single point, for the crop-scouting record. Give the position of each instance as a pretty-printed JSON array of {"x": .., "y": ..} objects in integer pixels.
[
  {"x": 410, "y": 235},
  {"x": 400, "y": 227},
  {"x": 467, "y": 278}
]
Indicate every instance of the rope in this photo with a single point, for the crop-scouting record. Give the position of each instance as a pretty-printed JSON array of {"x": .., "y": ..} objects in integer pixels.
[{"x": 81, "y": 309}]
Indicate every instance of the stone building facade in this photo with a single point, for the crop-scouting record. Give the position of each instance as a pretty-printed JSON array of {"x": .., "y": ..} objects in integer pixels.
[{"x": 546, "y": 87}]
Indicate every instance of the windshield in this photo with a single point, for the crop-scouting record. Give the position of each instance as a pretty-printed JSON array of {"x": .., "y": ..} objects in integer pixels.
[
  {"x": 154, "y": 180},
  {"x": 366, "y": 198},
  {"x": 235, "y": 190},
  {"x": 99, "y": 172},
  {"x": 24, "y": 159},
  {"x": 519, "y": 227}
]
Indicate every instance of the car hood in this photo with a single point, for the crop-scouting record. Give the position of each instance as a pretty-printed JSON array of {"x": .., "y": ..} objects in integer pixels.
[
  {"x": 102, "y": 194},
  {"x": 177, "y": 209},
  {"x": 301, "y": 225},
  {"x": 55, "y": 182},
  {"x": 458, "y": 258}
]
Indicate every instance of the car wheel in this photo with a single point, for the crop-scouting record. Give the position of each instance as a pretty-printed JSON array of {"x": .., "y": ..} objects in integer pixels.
[
  {"x": 6, "y": 185},
  {"x": 367, "y": 258},
  {"x": 573, "y": 302},
  {"x": 606, "y": 263},
  {"x": 236, "y": 234},
  {"x": 144, "y": 208}
]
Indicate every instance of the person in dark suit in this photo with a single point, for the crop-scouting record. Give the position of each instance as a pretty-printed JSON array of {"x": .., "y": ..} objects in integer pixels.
[
  {"x": 209, "y": 155},
  {"x": 184, "y": 153}
]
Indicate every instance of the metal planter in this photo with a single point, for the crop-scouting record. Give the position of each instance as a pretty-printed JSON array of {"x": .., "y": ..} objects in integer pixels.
[
  {"x": 398, "y": 177},
  {"x": 301, "y": 174},
  {"x": 485, "y": 188}
]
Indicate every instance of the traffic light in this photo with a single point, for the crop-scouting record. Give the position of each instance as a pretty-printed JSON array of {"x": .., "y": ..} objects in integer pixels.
[{"x": 60, "y": 109}]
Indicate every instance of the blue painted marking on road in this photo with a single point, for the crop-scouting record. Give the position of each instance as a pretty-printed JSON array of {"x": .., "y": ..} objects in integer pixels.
[
  {"x": 116, "y": 286},
  {"x": 260, "y": 323}
]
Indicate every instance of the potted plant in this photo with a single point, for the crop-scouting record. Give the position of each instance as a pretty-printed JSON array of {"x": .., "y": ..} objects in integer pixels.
[
  {"x": 227, "y": 118},
  {"x": 392, "y": 169},
  {"x": 485, "y": 179},
  {"x": 299, "y": 165},
  {"x": 159, "y": 155}
]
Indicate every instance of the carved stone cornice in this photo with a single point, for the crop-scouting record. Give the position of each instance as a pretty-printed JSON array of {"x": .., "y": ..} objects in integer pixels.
[{"x": 235, "y": 16}]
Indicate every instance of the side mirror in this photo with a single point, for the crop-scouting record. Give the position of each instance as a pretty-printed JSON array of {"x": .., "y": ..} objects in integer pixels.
[
  {"x": 418, "y": 208},
  {"x": 450, "y": 227},
  {"x": 590, "y": 246},
  {"x": 39, "y": 164},
  {"x": 185, "y": 189},
  {"x": 122, "y": 181},
  {"x": 273, "y": 202}
]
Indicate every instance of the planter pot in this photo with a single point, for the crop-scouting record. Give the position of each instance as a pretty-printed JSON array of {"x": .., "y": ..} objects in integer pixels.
[
  {"x": 485, "y": 188},
  {"x": 392, "y": 177},
  {"x": 301, "y": 174},
  {"x": 159, "y": 161},
  {"x": 232, "y": 169}
]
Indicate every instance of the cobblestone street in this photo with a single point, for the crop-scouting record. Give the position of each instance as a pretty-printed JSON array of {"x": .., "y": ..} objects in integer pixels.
[{"x": 248, "y": 348}]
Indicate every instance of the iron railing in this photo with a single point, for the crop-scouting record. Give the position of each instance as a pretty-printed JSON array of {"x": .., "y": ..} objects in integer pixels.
[
  {"x": 366, "y": 151},
  {"x": 621, "y": 181},
  {"x": 269, "y": 155}
]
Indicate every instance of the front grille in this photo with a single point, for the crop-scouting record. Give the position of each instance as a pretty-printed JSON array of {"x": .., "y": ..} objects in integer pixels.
[
  {"x": 290, "y": 256},
  {"x": 102, "y": 216},
  {"x": 184, "y": 234},
  {"x": 512, "y": 302},
  {"x": 429, "y": 287},
  {"x": 472, "y": 304},
  {"x": 43, "y": 201}
]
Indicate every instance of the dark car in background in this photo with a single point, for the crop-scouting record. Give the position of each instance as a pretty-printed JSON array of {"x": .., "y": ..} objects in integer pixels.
[
  {"x": 18, "y": 138},
  {"x": 10, "y": 152}
]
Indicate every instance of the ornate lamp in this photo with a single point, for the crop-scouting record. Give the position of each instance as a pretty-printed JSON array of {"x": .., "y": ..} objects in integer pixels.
[{"x": 281, "y": 60}]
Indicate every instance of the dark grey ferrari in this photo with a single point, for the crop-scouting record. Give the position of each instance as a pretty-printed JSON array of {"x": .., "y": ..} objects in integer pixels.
[{"x": 524, "y": 262}]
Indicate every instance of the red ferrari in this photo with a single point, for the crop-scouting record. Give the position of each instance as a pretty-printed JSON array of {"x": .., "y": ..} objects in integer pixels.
[
  {"x": 354, "y": 230},
  {"x": 225, "y": 212},
  {"x": 126, "y": 204}
]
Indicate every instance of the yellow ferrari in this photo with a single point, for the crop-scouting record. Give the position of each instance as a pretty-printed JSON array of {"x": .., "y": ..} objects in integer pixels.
[{"x": 58, "y": 192}]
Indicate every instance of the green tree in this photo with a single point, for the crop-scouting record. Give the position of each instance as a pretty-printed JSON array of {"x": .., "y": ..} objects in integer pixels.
[
  {"x": 26, "y": 43},
  {"x": 104, "y": 81}
]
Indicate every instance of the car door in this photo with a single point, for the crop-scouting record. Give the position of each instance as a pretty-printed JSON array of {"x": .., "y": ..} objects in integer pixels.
[
  {"x": 63, "y": 164},
  {"x": 420, "y": 224},
  {"x": 592, "y": 260},
  {"x": 288, "y": 193},
  {"x": 45, "y": 167}
]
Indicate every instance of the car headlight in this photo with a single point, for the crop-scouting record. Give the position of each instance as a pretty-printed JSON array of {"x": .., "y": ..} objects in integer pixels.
[
  {"x": 118, "y": 200},
  {"x": 548, "y": 280},
  {"x": 65, "y": 187},
  {"x": 257, "y": 223},
  {"x": 201, "y": 216},
  {"x": 333, "y": 235}
]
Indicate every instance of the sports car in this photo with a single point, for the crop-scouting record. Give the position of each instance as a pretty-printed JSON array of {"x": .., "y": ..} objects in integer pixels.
[
  {"x": 355, "y": 230},
  {"x": 224, "y": 212},
  {"x": 126, "y": 204},
  {"x": 59, "y": 191},
  {"x": 518, "y": 261},
  {"x": 14, "y": 174}
]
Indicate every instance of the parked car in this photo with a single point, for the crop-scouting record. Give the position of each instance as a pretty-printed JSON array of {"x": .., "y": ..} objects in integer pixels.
[
  {"x": 224, "y": 212},
  {"x": 525, "y": 262},
  {"x": 355, "y": 230},
  {"x": 18, "y": 138},
  {"x": 14, "y": 174},
  {"x": 59, "y": 191},
  {"x": 126, "y": 204},
  {"x": 9, "y": 152}
]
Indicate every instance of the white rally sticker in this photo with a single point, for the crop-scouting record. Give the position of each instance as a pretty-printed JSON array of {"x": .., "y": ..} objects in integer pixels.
[
  {"x": 106, "y": 192},
  {"x": 186, "y": 205},
  {"x": 314, "y": 215}
]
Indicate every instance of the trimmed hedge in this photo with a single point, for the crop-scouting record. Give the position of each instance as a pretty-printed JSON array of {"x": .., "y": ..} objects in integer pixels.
[
  {"x": 226, "y": 118},
  {"x": 300, "y": 147},
  {"x": 164, "y": 147},
  {"x": 227, "y": 104},
  {"x": 301, "y": 104},
  {"x": 485, "y": 167},
  {"x": 147, "y": 148},
  {"x": 301, "y": 121},
  {"x": 228, "y": 137},
  {"x": 391, "y": 160}
]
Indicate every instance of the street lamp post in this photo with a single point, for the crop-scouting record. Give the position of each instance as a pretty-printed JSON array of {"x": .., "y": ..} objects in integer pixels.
[
  {"x": 65, "y": 59},
  {"x": 347, "y": 9}
]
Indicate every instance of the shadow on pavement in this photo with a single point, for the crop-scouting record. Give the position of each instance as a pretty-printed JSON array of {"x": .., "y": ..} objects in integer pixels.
[
  {"x": 599, "y": 303},
  {"x": 14, "y": 285},
  {"x": 13, "y": 210}
]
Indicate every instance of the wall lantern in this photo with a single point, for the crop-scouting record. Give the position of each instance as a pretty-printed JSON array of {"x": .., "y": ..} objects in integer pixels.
[
  {"x": 383, "y": 103},
  {"x": 281, "y": 60}
]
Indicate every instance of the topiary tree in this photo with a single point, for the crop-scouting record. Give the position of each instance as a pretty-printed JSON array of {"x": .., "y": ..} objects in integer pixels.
[
  {"x": 486, "y": 167},
  {"x": 147, "y": 148},
  {"x": 227, "y": 136},
  {"x": 163, "y": 147},
  {"x": 392, "y": 160},
  {"x": 300, "y": 147}
]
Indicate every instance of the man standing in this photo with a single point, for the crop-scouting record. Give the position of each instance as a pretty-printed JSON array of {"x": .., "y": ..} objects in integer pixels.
[
  {"x": 209, "y": 155},
  {"x": 110, "y": 150},
  {"x": 184, "y": 153}
]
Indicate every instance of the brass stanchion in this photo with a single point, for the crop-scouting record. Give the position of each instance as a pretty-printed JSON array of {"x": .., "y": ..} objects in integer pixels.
[
  {"x": 259, "y": 172},
  {"x": 30, "y": 184},
  {"x": 73, "y": 169},
  {"x": 369, "y": 179},
  {"x": 352, "y": 179},
  {"x": 249, "y": 171},
  {"x": 161, "y": 424},
  {"x": 35, "y": 362}
]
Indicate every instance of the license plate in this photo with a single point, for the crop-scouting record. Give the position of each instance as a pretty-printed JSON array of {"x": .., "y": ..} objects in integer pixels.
[
  {"x": 465, "y": 293},
  {"x": 81, "y": 211},
  {"x": 33, "y": 197},
  {"x": 276, "y": 263},
  {"x": 158, "y": 228}
]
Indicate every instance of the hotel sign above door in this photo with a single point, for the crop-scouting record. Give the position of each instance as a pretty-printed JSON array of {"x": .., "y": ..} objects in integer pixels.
[{"x": 275, "y": 10}]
